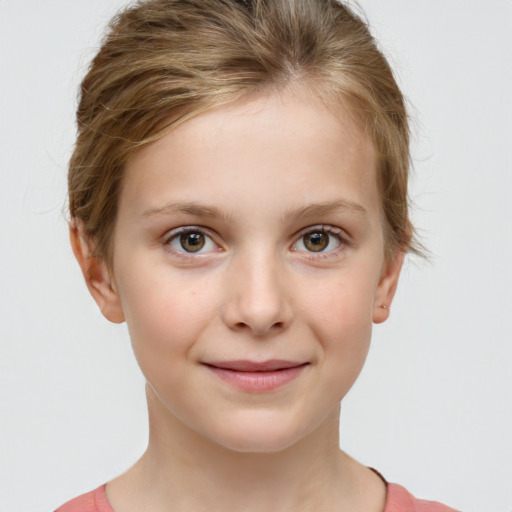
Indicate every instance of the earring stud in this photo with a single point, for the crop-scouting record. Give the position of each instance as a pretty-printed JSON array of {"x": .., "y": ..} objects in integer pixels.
[{"x": 383, "y": 306}]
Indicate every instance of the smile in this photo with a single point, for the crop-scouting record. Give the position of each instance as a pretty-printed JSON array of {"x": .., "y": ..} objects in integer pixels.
[{"x": 255, "y": 376}]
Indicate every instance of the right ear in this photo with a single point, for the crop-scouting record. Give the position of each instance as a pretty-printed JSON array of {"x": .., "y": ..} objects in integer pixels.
[{"x": 96, "y": 274}]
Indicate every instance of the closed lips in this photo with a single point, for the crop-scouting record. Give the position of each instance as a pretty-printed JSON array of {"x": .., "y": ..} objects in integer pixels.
[
  {"x": 256, "y": 377},
  {"x": 253, "y": 366}
]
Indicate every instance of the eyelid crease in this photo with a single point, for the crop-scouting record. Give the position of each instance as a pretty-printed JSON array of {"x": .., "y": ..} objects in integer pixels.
[{"x": 325, "y": 228}]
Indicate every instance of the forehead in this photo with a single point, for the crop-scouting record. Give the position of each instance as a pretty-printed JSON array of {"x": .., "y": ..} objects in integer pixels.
[{"x": 288, "y": 141}]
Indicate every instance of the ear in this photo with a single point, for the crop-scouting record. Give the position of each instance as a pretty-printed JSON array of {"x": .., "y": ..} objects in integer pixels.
[
  {"x": 96, "y": 275},
  {"x": 387, "y": 286}
]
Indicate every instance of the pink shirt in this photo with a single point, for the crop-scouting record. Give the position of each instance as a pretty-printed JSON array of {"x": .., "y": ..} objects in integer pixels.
[{"x": 398, "y": 500}]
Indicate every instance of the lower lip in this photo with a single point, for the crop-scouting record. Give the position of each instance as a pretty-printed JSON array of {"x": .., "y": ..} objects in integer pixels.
[{"x": 258, "y": 381}]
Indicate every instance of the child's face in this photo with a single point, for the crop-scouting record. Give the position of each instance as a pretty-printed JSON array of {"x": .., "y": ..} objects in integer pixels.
[{"x": 252, "y": 233}]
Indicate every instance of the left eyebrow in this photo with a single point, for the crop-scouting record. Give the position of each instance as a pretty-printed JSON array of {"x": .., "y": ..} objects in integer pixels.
[{"x": 318, "y": 209}]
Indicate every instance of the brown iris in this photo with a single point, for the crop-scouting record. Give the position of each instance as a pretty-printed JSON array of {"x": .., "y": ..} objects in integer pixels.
[
  {"x": 192, "y": 242},
  {"x": 316, "y": 241}
]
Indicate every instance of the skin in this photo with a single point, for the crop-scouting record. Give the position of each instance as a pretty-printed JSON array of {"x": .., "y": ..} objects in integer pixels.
[{"x": 256, "y": 181}]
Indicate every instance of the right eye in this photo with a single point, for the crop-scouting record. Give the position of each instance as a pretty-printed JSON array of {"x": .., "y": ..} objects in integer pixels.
[{"x": 191, "y": 241}]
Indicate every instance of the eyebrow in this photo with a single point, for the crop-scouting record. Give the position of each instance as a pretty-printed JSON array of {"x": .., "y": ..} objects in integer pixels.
[
  {"x": 196, "y": 209},
  {"x": 318, "y": 209},
  {"x": 313, "y": 210}
]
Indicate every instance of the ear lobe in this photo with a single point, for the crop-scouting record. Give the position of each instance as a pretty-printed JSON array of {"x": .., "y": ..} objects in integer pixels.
[
  {"x": 387, "y": 287},
  {"x": 96, "y": 275}
]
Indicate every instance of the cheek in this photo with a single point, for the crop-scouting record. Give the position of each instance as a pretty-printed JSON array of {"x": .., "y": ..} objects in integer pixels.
[
  {"x": 340, "y": 303},
  {"x": 165, "y": 313},
  {"x": 340, "y": 315}
]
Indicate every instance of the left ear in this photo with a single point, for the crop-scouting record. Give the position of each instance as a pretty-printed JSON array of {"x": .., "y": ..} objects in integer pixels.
[{"x": 387, "y": 286}]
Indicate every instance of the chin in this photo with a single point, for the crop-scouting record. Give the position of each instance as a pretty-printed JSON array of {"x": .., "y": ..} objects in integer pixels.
[{"x": 258, "y": 435}]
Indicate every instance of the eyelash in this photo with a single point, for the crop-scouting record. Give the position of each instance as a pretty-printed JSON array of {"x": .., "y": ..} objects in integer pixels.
[
  {"x": 175, "y": 234},
  {"x": 330, "y": 231}
]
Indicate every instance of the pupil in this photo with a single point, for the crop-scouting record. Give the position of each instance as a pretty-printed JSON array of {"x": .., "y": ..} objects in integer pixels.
[
  {"x": 316, "y": 242},
  {"x": 192, "y": 242}
]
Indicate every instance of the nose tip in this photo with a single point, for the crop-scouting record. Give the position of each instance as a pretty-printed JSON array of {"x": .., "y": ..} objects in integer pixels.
[{"x": 258, "y": 304}]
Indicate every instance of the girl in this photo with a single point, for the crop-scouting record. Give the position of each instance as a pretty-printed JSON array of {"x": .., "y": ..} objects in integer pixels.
[{"x": 238, "y": 196}]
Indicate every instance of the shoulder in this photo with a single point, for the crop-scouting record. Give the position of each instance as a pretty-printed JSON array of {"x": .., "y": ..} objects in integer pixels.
[
  {"x": 94, "y": 501},
  {"x": 400, "y": 500}
]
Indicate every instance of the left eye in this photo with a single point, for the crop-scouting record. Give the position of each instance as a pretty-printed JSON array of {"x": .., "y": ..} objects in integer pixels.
[
  {"x": 191, "y": 241},
  {"x": 318, "y": 240}
]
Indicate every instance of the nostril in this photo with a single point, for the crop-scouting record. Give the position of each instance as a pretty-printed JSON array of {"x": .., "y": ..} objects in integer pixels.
[{"x": 243, "y": 325}]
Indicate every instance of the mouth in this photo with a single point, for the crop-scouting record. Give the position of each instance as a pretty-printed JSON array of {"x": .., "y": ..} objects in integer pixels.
[{"x": 256, "y": 376}]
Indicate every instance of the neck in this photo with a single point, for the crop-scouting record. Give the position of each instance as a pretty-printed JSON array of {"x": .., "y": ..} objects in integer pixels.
[{"x": 183, "y": 470}]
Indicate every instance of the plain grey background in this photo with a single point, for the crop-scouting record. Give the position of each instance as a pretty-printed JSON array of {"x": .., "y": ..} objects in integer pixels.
[{"x": 433, "y": 407}]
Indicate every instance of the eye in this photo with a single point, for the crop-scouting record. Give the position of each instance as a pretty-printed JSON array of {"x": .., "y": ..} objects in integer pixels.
[
  {"x": 319, "y": 240},
  {"x": 191, "y": 241}
]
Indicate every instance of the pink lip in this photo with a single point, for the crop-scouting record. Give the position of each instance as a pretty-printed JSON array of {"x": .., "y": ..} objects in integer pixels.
[{"x": 257, "y": 376}]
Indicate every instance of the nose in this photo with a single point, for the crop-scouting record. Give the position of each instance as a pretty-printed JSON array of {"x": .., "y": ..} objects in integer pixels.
[{"x": 257, "y": 299}]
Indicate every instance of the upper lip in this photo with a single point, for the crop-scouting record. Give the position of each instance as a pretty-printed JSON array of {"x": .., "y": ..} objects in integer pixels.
[{"x": 254, "y": 366}]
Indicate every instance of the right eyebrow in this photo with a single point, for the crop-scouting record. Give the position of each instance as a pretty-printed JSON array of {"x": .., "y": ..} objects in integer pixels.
[{"x": 190, "y": 208}]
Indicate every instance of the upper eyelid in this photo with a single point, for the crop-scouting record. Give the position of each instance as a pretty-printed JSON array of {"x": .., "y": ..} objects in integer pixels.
[
  {"x": 206, "y": 230},
  {"x": 172, "y": 233},
  {"x": 328, "y": 228}
]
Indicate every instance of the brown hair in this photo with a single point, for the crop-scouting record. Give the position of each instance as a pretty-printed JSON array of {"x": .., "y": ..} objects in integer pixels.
[{"x": 164, "y": 61}]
